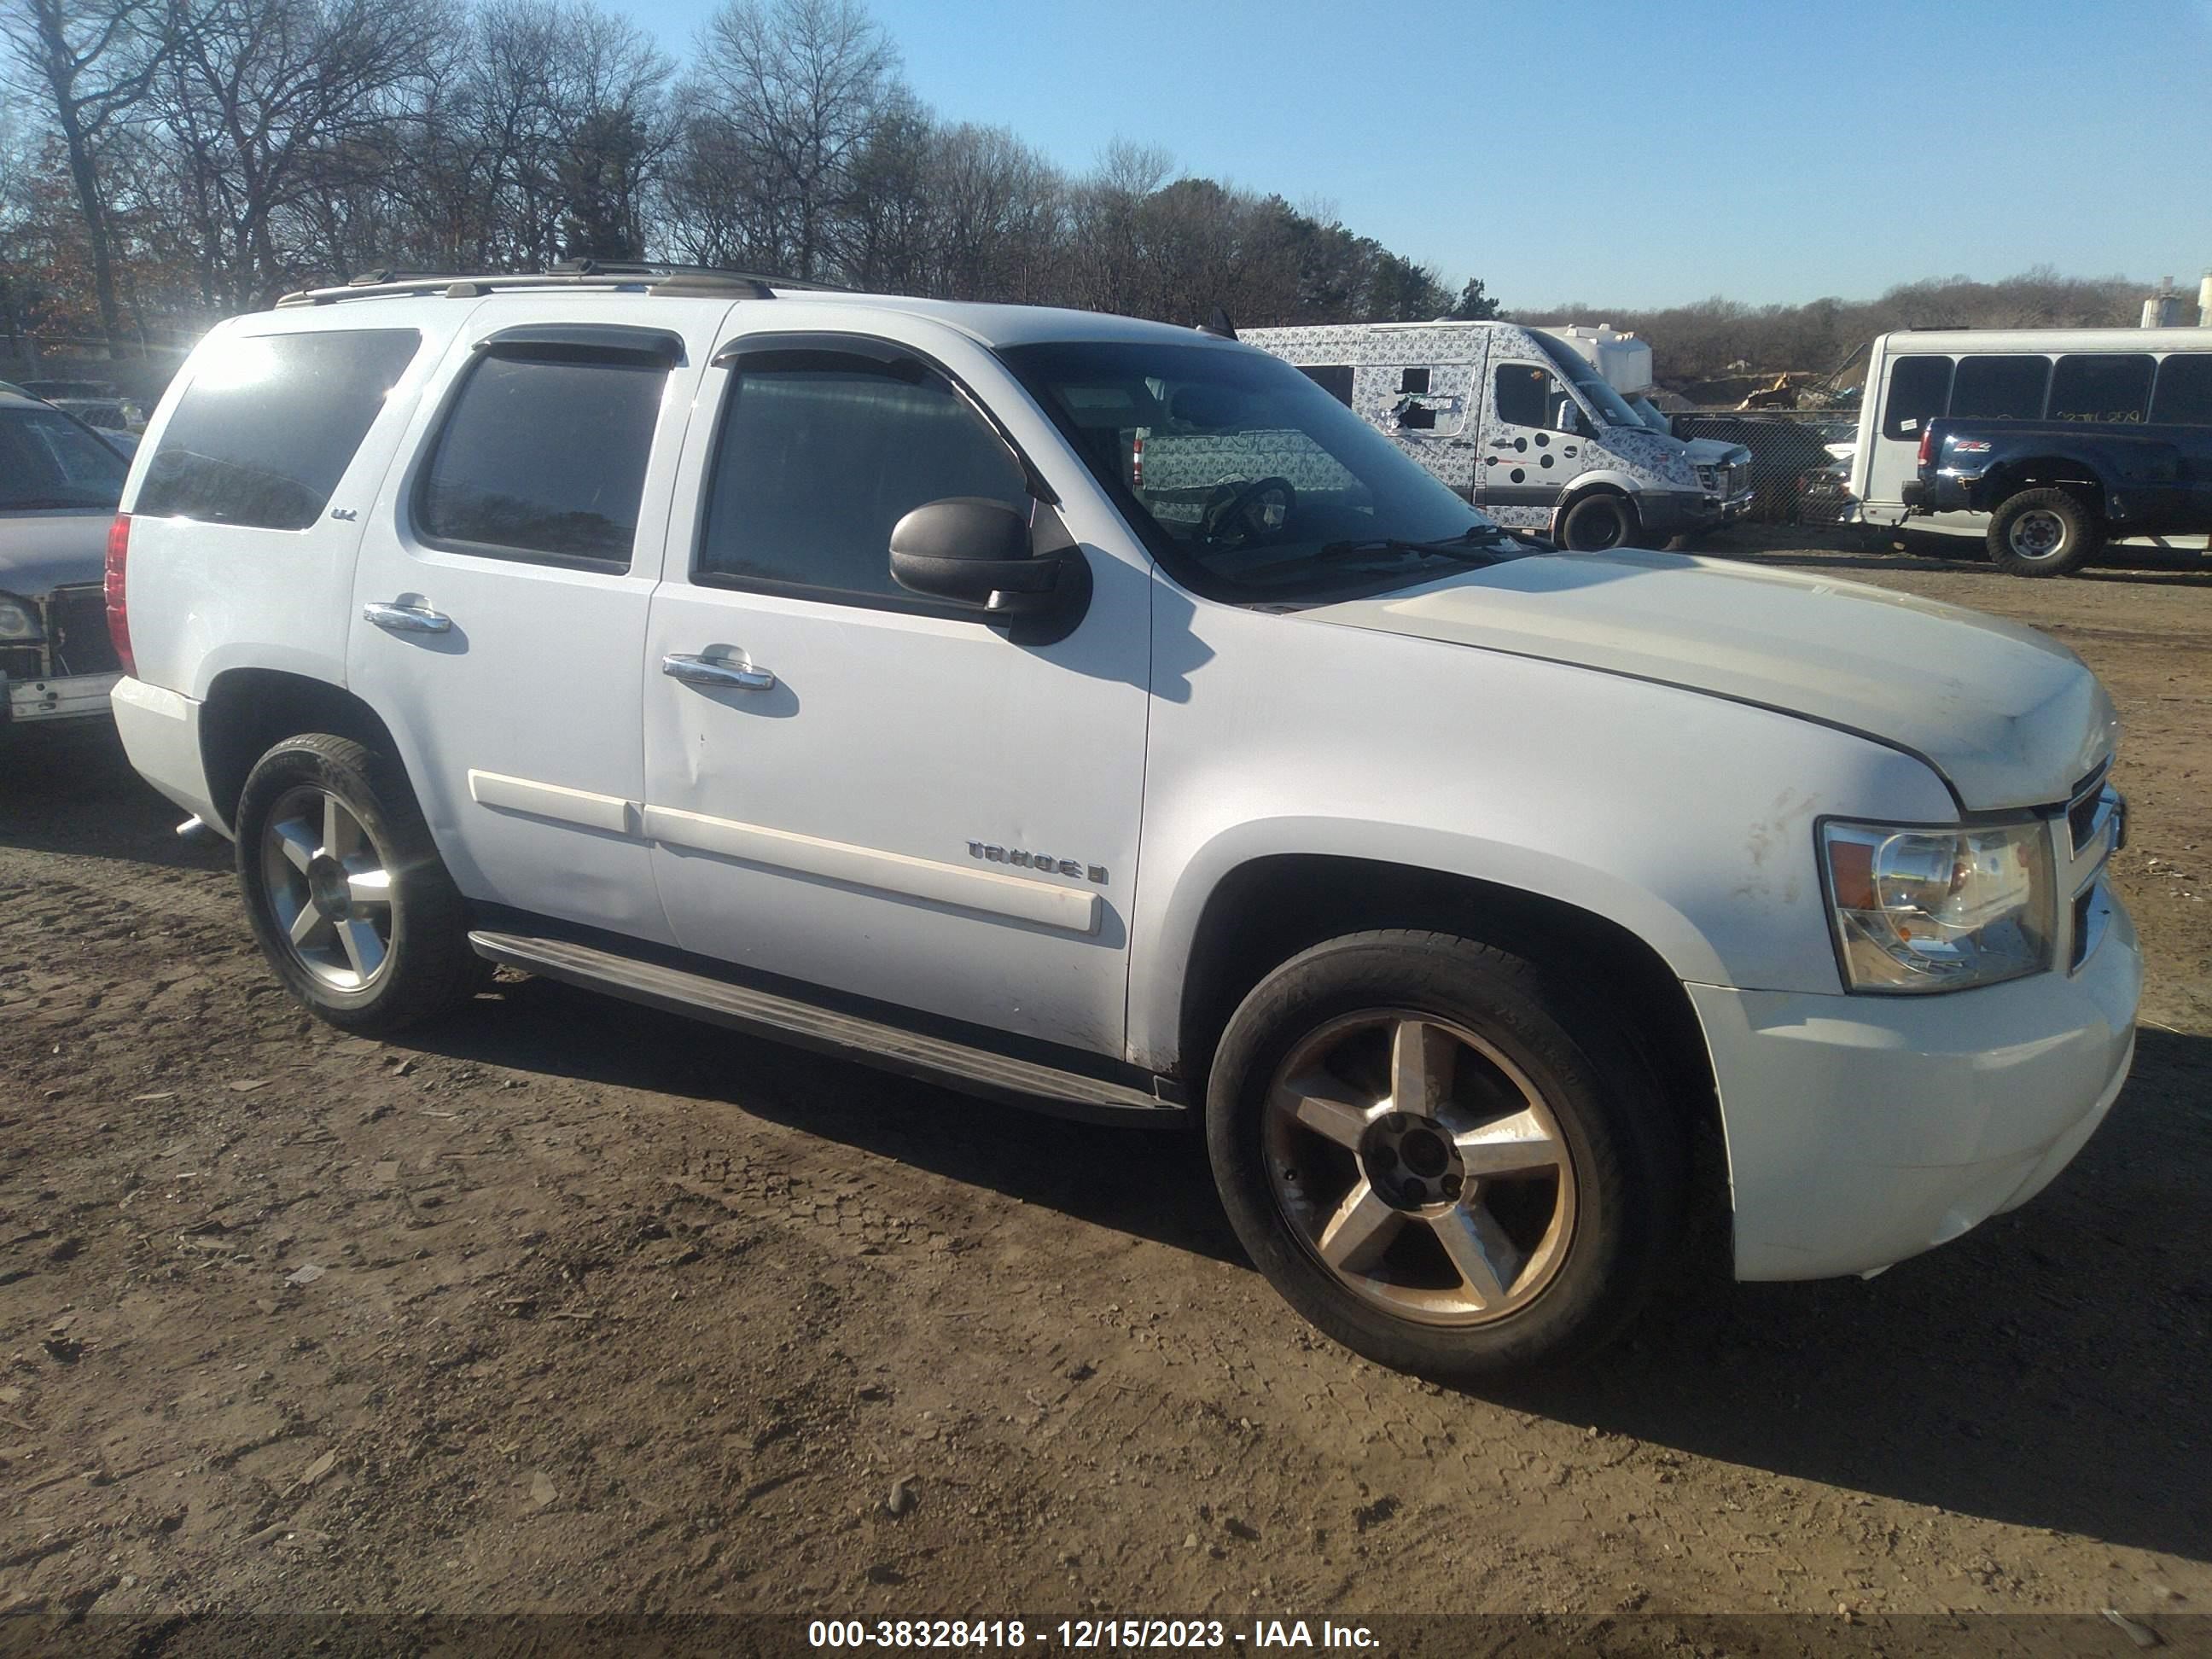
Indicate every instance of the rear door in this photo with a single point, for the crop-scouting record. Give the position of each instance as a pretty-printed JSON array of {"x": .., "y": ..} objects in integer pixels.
[{"x": 502, "y": 592}]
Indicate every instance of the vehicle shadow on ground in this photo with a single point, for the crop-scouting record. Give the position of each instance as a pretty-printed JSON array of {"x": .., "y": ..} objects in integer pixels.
[
  {"x": 2046, "y": 1371},
  {"x": 1149, "y": 1182},
  {"x": 73, "y": 791}
]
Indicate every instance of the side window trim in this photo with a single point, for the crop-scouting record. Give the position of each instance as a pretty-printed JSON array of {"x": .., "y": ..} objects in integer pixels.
[
  {"x": 878, "y": 354},
  {"x": 585, "y": 342},
  {"x": 549, "y": 342}
]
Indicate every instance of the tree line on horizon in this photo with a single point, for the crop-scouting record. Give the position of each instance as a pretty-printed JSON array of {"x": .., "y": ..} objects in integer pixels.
[
  {"x": 169, "y": 162},
  {"x": 1719, "y": 338}
]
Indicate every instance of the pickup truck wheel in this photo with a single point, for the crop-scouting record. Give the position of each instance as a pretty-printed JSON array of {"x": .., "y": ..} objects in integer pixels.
[
  {"x": 344, "y": 890},
  {"x": 1598, "y": 522},
  {"x": 2042, "y": 533},
  {"x": 1440, "y": 1160}
]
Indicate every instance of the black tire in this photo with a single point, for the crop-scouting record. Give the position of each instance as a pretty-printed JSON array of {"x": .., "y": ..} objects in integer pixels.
[
  {"x": 428, "y": 966},
  {"x": 1598, "y": 522},
  {"x": 1626, "y": 1150},
  {"x": 2026, "y": 525}
]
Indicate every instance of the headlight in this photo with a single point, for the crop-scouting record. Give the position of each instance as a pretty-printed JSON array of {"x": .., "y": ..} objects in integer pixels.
[
  {"x": 18, "y": 621},
  {"x": 1938, "y": 909}
]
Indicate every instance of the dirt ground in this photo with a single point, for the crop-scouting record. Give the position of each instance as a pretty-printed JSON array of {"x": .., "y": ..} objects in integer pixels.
[{"x": 567, "y": 1305}]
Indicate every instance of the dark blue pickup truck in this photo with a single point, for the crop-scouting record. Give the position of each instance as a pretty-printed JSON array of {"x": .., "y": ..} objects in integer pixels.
[{"x": 2056, "y": 489}]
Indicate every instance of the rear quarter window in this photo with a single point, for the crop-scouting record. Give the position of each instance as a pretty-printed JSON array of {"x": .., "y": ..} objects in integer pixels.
[{"x": 269, "y": 424}]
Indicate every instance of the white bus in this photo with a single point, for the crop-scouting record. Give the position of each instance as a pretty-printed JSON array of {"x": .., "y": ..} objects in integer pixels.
[{"x": 2162, "y": 375}]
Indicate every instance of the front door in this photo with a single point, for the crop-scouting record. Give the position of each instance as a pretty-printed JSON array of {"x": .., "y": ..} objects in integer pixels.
[
  {"x": 502, "y": 592},
  {"x": 852, "y": 788},
  {"x": 1528, "y": 446}
]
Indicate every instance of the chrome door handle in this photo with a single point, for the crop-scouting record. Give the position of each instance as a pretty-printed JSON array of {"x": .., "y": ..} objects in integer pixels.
[
  {"x": 721, "y": 675},
  {"x": 406, "y": 618}
]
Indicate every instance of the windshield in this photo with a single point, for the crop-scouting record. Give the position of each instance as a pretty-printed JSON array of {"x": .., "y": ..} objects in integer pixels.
[
  {"x": 1597, "y": 392},
  {"x": 48, "y": 460},
  {"x": 1249, "y": 480}
]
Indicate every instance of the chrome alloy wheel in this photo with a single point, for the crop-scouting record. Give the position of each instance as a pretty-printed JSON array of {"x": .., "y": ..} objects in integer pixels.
[
  {"x": 2036, "y": 534},
  {"x": 1420, "y": 1167},
  {"x": 330, "y": 888}
]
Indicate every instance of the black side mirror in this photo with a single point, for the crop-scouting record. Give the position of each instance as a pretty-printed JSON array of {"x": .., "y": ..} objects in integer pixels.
[{"x": 978, "y": 551}]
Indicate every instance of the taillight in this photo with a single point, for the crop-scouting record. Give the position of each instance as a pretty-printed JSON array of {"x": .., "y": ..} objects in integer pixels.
[
  {"x": 118, "y": 609},
  {"x": 1927, "y": 445},
  {"x": 1136, "y": 461}
]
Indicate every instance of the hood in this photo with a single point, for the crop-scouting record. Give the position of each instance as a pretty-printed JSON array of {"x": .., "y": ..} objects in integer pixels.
[
  {"x": 63, "y": 548},
  {"x": 1714, "y": 452},
  {"x": 2007, "y": 717}
]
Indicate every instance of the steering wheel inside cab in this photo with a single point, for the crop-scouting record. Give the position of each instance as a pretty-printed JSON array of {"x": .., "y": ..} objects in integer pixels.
[{"x": 1239, "y": 516}]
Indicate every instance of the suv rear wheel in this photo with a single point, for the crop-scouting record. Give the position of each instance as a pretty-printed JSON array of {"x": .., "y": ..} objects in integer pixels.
[
  {"x": 2042, "y": 533},
  {"x": 1439, "y": 1160},
  {"x": 346, "y": 892}
]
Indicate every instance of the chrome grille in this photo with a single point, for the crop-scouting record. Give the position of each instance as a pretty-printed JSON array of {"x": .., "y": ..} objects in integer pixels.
[{"x": 2096, "y": 827}]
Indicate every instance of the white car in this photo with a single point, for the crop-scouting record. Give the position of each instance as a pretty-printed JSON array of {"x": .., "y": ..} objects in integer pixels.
[{"x": 828, "y": 665}]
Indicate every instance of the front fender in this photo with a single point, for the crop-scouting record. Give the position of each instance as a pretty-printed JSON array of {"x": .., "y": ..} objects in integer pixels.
[{"x": 1157, "y": 1006}]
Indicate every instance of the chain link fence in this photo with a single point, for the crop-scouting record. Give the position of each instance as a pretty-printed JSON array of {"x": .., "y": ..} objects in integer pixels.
[{"x": 1794, "y": 478}]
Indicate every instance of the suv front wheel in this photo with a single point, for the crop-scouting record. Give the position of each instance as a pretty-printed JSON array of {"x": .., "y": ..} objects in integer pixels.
[
  {"x": 1438, "y": 1159},
  {"x": 345, "y": 891}
]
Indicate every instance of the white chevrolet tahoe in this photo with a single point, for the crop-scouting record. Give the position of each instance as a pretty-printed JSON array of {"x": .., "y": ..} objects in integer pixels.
[{"x": 820, "y": 664}]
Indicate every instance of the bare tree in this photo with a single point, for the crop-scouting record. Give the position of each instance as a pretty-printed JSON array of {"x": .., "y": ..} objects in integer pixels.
[
  {"x": 797, "y": 87},
  {"x": 91, "y": 63},
  {"x": 272, "y": 101}
]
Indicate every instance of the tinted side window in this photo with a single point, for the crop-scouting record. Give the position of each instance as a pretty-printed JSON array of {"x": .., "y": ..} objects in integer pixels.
[
  {"x": 819, "y": 455},
  {"x": 2184, "y": 389},
  {"x": 544, "y": 459},
  {"x": 1919, "y": 388},
  {"x": 269, "y": 424},
  {"x": 1334, "y": 379},
  {"x": 1993, "y": 388},
  {"x": 2108, "y": 386}
]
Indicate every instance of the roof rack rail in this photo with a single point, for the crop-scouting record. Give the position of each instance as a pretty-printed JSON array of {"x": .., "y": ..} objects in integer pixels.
[
  {"x": 669, "y": 270},
  {"x": 654, "y": 277}
]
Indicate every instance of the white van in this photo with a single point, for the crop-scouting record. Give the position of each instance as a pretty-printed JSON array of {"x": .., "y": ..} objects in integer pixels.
[
  {"x": 1521, "y": 423},
  {"x": 2022, "y": 375}
]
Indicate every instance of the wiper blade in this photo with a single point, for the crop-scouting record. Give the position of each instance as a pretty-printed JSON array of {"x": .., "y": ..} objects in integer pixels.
[{"x": 1465, "y": 549}]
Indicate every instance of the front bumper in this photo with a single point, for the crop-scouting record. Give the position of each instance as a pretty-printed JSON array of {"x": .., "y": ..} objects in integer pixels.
[
  {"x": 1861, "y": 1130},
  {"x": 1673, "y": 511},
  {"x": 54, "y": 701}
]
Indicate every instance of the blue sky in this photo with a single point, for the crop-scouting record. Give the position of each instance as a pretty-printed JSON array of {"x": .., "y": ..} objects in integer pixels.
[{"x": 1641, "y": 153}]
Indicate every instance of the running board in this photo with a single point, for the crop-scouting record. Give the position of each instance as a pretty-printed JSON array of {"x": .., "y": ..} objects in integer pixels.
[{"x": 847, "y": 1037}]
